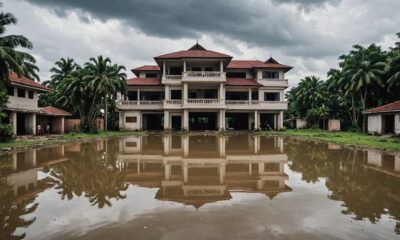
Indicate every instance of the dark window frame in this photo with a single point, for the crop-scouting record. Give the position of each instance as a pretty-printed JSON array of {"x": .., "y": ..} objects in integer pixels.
[
  {"x": 10, "y": 91},
  {"x": 30, "y": 94},
  {"x": 270, "y": 74},
  {"x": 20, "y": 91},
  {"x": 132, "y": 119},
  {"x": 151, "y": 75},
  {"x": 272, "y": 98}
]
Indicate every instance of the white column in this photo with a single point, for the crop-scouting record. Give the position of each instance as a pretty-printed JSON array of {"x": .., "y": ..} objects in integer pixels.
[
  {"x": 221, "y": 92},
  {"x": 185, "y": 173},
  {"x": 62, "y": 125},
  {"x": 13, "y": 121},
  {"x": 34, "y": 124},
  {"x": 166, "y": 120},
  {"x": 138, "y": 96},
  {"x": 186, "y": 119},
  {"x": 167, "y": 168},
  {"x": 185, "y": 92},
  {"x": 221, "y": 120},
  {"x": 222, "y": 173},
  {"x": 276, "y": 121},
  {"x": 167, "y": 92},
  {"x": 185, "y": 144},
  {"x": 256, "y": 120},
  {"x": 221, "y": 66},
  {"x": 167, "y": 144},
  {"x": 164, "y": 69},
  {"x": 397, "y": 162},
  {"x": 280, "y": 120},
  {"x": 184, "y": 65},
  {"x": 250, "y": 94},
  {"x": 222, "y": 146}
]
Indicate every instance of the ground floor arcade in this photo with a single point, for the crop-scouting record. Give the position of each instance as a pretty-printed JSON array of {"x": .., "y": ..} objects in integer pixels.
[{"x": 200, "y": 120}]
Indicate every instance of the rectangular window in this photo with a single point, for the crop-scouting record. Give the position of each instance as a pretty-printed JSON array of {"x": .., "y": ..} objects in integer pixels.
[
  {"x": 30, "y": 94},
  {"x": 10, "y": 91},
  {"x": 254, "y": 95},
  {"x": 236, "y": 75},
  {"x": 208, "y": 69},
  {"x": 176, "y": 94},
  {"x": 151, "y": 75},
  {"x": 271, "y": 96},
  {"x": 131, "y": 119},
  {"x": 175, "y": 70},
  {"x": 132, "y": 95},
  {"x": 270, "y": 74},
  {"x": 130, "y": 144},
  {"x": 196, "y": 69},
  {"x": 21, "y": 93}
]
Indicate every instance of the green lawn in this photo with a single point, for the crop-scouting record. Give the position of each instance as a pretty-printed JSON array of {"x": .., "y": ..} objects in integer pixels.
[
  {"x": 69, "y": 137},
  {"x": 346, "y": 138}
]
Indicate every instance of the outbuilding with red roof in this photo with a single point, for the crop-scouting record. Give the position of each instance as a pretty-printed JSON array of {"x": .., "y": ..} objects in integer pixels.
[{"x": 384, "y": 119}]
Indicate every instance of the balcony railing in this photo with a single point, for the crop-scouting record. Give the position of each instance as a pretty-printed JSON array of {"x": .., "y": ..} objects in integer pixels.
[
  {"x": 141, "y": 102},
  {"x": 173, "y": 101},
  {"x": 241, "y": 102},
  {"x": 212, "y": 76},
  {"x": 204, "y": 101}
]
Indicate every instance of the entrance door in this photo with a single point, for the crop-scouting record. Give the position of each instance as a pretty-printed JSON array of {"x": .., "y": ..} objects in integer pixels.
[
  {"x": 202, "y": 121},
  {"x": 153, "y": 121},
  {"x": 21, "y": 124},
  {"x": 388, "y": 123},
  {"x": 176, "y": 123}
]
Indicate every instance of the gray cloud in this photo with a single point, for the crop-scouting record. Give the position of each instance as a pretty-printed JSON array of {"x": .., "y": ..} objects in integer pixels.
[{"x": 257, "y": 23}]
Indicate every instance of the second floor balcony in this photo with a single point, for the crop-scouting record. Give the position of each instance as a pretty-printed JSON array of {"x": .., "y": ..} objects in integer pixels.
[{"x": 194, "y": 76}]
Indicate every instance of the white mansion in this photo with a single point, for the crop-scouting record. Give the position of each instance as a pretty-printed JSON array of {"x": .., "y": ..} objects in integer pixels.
[{"x": 199, "y": 89}]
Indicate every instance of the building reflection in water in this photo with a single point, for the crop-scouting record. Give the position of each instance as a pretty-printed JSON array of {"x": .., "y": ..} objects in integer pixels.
[{"x": 196, "y": 170}]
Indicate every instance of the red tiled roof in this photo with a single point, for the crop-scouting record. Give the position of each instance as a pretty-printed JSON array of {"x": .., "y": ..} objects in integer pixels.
[
  {"x": 145, "y": 68},
  {"x": 249, "y": 64},
  {"x": 21, "y": 80},
  {"x": 241, "y": 82},
  {"x": 143, "y": 82},
  {"x": 49, "y": 110},
  {"x": 193, "y": 54},
  {"x": 391, "y": 107}
]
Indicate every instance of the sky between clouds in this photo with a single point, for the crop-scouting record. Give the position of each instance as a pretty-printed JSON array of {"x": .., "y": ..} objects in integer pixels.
[{"x": 308, "y": 34}]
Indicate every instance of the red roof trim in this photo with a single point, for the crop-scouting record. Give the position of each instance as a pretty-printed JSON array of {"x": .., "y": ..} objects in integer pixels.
[
  {"x": 143, "y": 82},
  {"x": 250, "y": 64},
  {"x": 152, "y": 68},
  {"x": 193, "y": 54},
  {"x": 242, "y": 82},
  {"x": 49, "y": 110},
  {"x": 21, "y": 80},
  {"x": 391, "y": 107}
]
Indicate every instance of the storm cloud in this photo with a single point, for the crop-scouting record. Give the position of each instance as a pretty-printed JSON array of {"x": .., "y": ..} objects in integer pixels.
[{"x": 308, "y": 34}]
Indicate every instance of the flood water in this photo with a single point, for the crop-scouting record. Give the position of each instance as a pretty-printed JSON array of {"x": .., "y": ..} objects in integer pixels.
[{"x": 200, "y": 187}]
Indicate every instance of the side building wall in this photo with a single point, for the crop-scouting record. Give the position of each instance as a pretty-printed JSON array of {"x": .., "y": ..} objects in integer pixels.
[{"x": 375, "y": 124}]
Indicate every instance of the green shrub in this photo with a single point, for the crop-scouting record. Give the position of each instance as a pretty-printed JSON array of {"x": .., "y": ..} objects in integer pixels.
[{"x": 6, "y": 133}]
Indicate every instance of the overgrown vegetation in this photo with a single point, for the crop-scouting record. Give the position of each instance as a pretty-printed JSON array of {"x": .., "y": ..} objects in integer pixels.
[
  {"x": 346, "y": 138},
  {"x": 85, "y": 91},
  {"x": 367, "y": 77}
]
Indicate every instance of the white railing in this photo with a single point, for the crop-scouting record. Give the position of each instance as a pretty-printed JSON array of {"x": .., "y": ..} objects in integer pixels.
[
  {"x": 204, "y": 101},
  {"x": 241, "y": 102},
  {"x": 173, "y": 101},
  {"x": 172, "y": 77},
  {"x": 203, "y": 74},
  {"x": 142, "y": 102}
]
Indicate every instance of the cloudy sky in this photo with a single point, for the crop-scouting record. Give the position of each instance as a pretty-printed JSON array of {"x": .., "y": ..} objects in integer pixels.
[{"x": 306, "y": 34}]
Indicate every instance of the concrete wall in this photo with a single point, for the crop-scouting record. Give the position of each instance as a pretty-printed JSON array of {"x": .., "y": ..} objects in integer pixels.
[
  {"x": 333, "y": 125},
  {"x": 374, "y": 124},
  {"x": 397, "y": 124},
  {"x": 301, "y": 123},
  {"x": 130, "y": 126},
  {"x": 23, "y": 103},
  {"x": 74, "y": 125}
]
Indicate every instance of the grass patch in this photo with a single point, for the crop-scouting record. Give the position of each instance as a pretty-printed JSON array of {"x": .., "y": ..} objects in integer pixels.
[
  {"x": 69, "y": 137},
  {"x": 345, "y": 138}
]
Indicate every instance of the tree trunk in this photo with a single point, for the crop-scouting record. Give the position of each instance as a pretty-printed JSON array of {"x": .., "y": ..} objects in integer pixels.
[{"x": 105, "y": 115}]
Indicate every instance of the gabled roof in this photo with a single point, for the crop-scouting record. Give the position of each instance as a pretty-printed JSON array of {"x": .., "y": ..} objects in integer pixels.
[
  {"x": 26, "y": 82},
  {"x": 196, "y": 51},
  {"x": 145, "y": 68},
  {"x": 143, "y": 82},
  {"x": 241, "y": 82},
  {"x": 391, "y": 107},
  {"x": 53, "y": 111},
  {"x": 253, "y": 64}
]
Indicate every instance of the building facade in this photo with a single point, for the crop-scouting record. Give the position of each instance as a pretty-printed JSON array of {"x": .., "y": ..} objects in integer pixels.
[
  {"x": 24, "y": 113},
  {"x": 384, "y": 119},
  {"x": 199, "y": 89}
]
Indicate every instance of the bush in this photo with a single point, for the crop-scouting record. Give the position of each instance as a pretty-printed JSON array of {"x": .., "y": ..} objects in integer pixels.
[{"x": 6, "y": 133}]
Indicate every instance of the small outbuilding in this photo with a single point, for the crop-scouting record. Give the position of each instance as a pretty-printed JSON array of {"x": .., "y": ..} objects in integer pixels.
[
  {"x": 384, "y": 119},
  {"x": 296, "y": 123}
]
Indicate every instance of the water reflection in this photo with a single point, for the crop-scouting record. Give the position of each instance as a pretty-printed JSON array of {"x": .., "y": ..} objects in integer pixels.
[
  {"x": 197, "y": 171},
  {"x": 201, "y": 169}
]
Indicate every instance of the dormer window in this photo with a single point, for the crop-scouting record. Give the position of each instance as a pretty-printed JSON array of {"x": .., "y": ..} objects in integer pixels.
[
  {"x": 151, "y": 75},
  {"x": 270, "y": 74}
]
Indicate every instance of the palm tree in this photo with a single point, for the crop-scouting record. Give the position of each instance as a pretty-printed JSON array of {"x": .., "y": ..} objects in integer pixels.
[
  {"x": 105, "y": 79},
  {"x": 11, "y": 58},
  {"x": 363, "y": 69}
]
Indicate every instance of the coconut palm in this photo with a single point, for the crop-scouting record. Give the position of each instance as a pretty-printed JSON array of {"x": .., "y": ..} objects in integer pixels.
[{"x": 11, "y": 57}]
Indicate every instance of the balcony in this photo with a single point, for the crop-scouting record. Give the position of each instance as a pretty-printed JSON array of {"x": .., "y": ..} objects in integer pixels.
[
  {"x": 171, "y": 79},
  {"x": 274, "y": 83},
  {"x": 255, "y": 105},
  {"x": 204, "y": 103},
  {"x": 203, "y": 76},
  {"x": 173, "y": 104},
  {"x": 140, "y": 105}
]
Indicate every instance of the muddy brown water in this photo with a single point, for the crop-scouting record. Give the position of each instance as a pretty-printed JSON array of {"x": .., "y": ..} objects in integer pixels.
[{"x": 200, "y": 187}]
